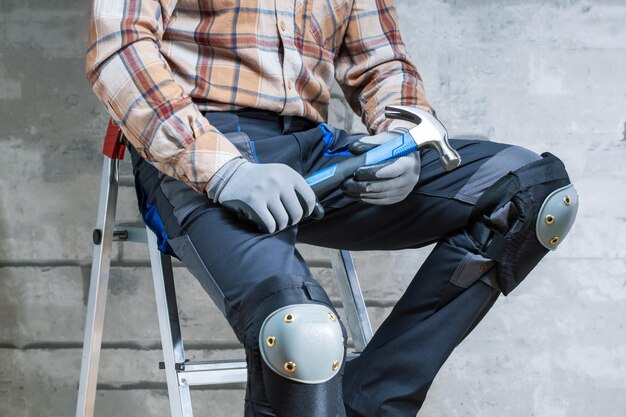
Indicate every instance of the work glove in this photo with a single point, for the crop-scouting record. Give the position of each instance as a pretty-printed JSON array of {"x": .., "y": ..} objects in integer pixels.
[
  {"x": 388, "y": 182},
  {"x": 273, "y": 196}
]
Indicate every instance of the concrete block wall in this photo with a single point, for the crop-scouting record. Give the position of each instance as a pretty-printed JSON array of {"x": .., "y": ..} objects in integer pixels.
[{"x": 545, "y": 74}]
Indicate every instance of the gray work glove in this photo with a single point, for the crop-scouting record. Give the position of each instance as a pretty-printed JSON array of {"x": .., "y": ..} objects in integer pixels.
[
  {"x": 273, "y": 196},
  {"x": 388, "y": 182}
]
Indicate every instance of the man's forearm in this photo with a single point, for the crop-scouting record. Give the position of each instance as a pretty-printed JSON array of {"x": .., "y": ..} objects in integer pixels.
[{"x": 131, "y": 77}]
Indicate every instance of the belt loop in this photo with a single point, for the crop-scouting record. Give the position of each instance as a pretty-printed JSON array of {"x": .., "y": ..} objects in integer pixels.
[{"x": 286, "y": 123}]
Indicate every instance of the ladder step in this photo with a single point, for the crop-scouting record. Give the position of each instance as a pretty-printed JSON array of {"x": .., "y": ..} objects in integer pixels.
[
  {"x": 217, "y": 372},
  {"x": 201, "y": 366},
  {"x": 213, "y": 372}
]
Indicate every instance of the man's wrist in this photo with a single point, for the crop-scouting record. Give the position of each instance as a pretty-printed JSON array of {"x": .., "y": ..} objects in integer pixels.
[{"x": 220, "y": 178}]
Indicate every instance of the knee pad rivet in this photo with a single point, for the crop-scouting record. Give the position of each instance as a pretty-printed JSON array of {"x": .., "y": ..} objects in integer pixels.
[
  {"x": 335, "y": 365},
  {"x": 549, "y": 219},
  {"x": 290, "y": 367},
  {"x": 567, "y": 200},
  {"x": 271, "y": 341},
  {"x": 555, "y": 240},
  {"x": 289, "y": 318},
  {"x": 331, "y": 316}
]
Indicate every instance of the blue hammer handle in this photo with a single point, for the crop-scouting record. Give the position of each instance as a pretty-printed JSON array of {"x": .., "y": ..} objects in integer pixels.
[{"x": 329, "y": 178}]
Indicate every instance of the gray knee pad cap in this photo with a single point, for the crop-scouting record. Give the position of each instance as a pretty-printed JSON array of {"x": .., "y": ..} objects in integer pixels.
[
  {"x": 303, "y": 343},
  {"x": 556, "y": 216}
]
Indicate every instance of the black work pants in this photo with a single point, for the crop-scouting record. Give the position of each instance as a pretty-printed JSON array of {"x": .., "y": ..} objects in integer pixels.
[{"x": 449, "y": 295}]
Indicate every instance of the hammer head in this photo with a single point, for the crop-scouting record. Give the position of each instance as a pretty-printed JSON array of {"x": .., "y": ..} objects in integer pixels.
[{"x": 428, "y": 132}]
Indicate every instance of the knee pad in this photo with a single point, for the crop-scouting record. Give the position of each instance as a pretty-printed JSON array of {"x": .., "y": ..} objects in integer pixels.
[
  {"x": 523, "y": 216},
  {"x": 556, "y": 216},
  {"x": 303, "y": 343},
  {"x": 295, "y": 348}
]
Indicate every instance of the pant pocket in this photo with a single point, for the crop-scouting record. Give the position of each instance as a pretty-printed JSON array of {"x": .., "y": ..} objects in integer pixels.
[{"x": 469, "y": 271}]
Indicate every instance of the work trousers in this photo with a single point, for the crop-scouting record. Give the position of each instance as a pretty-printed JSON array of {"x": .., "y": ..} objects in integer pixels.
[{"x": 448, "y": 296}]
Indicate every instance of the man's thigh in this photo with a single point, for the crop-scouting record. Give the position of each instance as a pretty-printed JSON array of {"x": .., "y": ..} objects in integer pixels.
[
  {"x": 228, "y": 256},
  {"x": 440, "y": 203}
]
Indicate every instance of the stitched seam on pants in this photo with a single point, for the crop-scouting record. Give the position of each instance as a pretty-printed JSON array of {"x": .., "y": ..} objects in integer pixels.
[
  {"x": 227, "y": 305},
  {"x": 496, "y": 167}
]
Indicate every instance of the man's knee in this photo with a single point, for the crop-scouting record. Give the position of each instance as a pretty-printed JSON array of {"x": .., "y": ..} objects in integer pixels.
[
  {"x": 522, "y": 216},
  {"x": 295, "y": 344},
  {"x": 291, "y": 322},
  {"x": 303, "y": 343}
]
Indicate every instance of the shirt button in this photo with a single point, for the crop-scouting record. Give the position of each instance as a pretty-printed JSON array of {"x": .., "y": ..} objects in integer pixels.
[{"x": 282, "y": 25}]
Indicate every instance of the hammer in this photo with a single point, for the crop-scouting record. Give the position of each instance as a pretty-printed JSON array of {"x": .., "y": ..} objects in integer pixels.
[{"x": 428, "y": 132}]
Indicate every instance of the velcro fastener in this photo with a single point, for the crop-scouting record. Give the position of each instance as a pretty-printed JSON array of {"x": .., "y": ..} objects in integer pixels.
[
  {"x": 497, "y": 246},
  {"x": 550, "y": 168},
  {"x": 492, "y": 242},
  {"x": 315, "y": 292},
  {"x": 480, "y": 232}
]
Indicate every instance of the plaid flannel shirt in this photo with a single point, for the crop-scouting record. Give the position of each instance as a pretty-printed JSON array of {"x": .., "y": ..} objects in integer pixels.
[{"x": 156, "y": 64}]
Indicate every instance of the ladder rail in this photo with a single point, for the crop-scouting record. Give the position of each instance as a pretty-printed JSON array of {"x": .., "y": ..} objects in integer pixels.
[
  {"x": 352, "y": 298},
  {"x": 98, "y": 287},
  {"x": 169, "y": 326}
]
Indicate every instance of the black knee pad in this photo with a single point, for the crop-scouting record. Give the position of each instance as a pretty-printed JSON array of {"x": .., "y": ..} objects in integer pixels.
[
  {"x": 291, "y": 330},
  {"x": 515, "y": 221}
]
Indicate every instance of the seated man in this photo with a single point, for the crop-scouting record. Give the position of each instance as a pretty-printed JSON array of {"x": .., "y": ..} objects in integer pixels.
[{"x": 224, "y": 104}]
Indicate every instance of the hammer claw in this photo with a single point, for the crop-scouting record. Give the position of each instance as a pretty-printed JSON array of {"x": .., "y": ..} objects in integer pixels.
[
  {"x": 403, "y": 113},
  {"x": 428, "y": 132}
]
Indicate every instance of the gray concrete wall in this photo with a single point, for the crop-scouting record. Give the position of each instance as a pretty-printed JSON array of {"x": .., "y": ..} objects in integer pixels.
[{"x": 546, "y": 74}]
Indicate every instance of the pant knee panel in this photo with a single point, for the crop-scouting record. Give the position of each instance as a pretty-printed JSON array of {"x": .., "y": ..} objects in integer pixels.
[
  {"x": 506, "y": 218},
  {"x": 508, "y": 159},
  {"x": 271, "y": 294}
]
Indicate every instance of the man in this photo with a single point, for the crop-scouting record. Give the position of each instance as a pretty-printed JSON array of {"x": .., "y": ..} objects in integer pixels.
[{"x": 224, "y": 104}]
